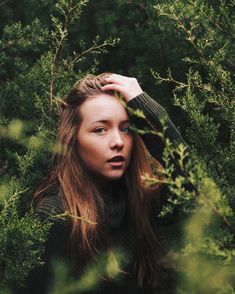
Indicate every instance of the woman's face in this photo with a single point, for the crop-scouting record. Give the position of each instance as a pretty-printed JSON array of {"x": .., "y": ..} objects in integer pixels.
[{"x": 104, "y": 138}]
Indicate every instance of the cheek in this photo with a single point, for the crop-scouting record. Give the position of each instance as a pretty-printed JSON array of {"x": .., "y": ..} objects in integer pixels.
[
  {"x": 90, "y": 150},
  {"x": 129, "y": 148},
  {"x": 130, "y": 144}
]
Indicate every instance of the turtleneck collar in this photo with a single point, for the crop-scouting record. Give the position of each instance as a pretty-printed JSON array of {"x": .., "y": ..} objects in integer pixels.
[{"x": 115, "y": 203}]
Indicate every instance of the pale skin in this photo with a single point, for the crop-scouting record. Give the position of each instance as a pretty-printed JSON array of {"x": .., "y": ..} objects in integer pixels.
[
  {"x": 126, "y": 86},
  {"x": 104, "y": 132}
]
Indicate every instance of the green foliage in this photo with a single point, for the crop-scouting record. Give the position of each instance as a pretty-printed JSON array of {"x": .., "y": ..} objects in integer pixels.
[
  {"x": 203, "y": 184},
  {"x": 107, "y": 265},
  {"x": 21, "y": 240},
  {"x": 206, "y": 256},
  {"x": 47, "y": 45},
  {"x": 208, "y": 92}
]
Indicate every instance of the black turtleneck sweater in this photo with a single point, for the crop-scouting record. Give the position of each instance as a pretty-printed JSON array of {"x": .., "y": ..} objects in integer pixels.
[{"x": 121, "y": 231}]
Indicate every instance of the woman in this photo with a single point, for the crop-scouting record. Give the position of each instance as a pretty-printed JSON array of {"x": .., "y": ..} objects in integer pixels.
[{"x": 97, "y": 181}]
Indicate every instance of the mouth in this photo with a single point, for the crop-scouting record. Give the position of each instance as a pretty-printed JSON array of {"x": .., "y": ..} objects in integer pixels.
[
  {"x": 117, "y": 162},
  {"x": 117, "y": 158}
]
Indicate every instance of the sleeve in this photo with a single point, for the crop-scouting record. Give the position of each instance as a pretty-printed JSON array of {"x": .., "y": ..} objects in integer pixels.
[
  {"x": 155, "y": 118},
  {"x": 55, "y": 248}
]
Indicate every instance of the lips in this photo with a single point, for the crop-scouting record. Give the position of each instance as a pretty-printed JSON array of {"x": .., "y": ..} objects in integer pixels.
[{"x": 117, "y": 158}]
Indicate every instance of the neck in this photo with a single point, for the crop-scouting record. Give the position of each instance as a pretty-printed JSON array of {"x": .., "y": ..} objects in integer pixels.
[{"x": 105, "y": 186}]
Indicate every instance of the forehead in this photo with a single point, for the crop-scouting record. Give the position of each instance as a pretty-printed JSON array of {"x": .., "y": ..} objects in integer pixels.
[{"x": 103, "y": 107}]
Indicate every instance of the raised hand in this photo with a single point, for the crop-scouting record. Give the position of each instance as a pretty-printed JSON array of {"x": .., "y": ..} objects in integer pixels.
[{"x": 126, "y": 86}]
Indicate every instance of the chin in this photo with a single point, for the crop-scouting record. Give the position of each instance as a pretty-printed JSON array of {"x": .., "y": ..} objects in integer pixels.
[{"x": 114, "y": 177}]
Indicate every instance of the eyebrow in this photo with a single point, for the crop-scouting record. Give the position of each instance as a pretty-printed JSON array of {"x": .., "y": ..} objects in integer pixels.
[{"x": 105, "y": 121}]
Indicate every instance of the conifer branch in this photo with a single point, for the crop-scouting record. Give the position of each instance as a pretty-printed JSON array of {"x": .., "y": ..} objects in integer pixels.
[
  {"x": 216, "y": 24},
  {"x": 63, "y": 31},
  {"x": 217, "y": 212},
  {"x": 67, "y": 214}
]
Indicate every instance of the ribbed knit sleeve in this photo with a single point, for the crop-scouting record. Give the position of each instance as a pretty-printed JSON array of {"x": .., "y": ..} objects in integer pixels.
[
  {"x": 156, "y": 118},
  {"x": 50, "y": 207}
]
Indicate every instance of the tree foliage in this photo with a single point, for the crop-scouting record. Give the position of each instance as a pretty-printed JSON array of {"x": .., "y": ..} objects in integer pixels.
[
  {"x": 207, "y": 97},
  {"x": 187, "y": 49}
]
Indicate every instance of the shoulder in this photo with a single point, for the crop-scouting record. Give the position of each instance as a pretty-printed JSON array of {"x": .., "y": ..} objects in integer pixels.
[{"x": 50, "y": 207}]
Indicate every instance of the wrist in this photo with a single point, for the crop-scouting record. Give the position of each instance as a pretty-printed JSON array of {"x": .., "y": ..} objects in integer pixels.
[{"x": 133, "y": 95}]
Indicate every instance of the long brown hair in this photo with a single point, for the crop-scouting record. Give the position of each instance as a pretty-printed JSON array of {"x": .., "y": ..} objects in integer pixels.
[{"x": 82, "y": 199}]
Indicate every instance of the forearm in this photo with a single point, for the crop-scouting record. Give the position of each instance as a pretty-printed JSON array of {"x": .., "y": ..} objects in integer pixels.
[{"x": 156, "y": 118}]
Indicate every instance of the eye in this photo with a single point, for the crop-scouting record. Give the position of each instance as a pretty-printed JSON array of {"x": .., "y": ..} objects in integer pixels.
[
  {"x": 126, "y": 129},
  {"x": 100, "y": 131}
]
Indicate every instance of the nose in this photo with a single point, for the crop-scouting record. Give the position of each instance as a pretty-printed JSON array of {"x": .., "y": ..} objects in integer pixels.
[{"x": 116, "y": 141}]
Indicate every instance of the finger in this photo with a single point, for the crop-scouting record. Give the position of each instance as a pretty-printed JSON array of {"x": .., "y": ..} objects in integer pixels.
[
  {"x": 112, "y": 87},
  {"x": 114, "y": 80},
  {"x": 119, "y": 78}
]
